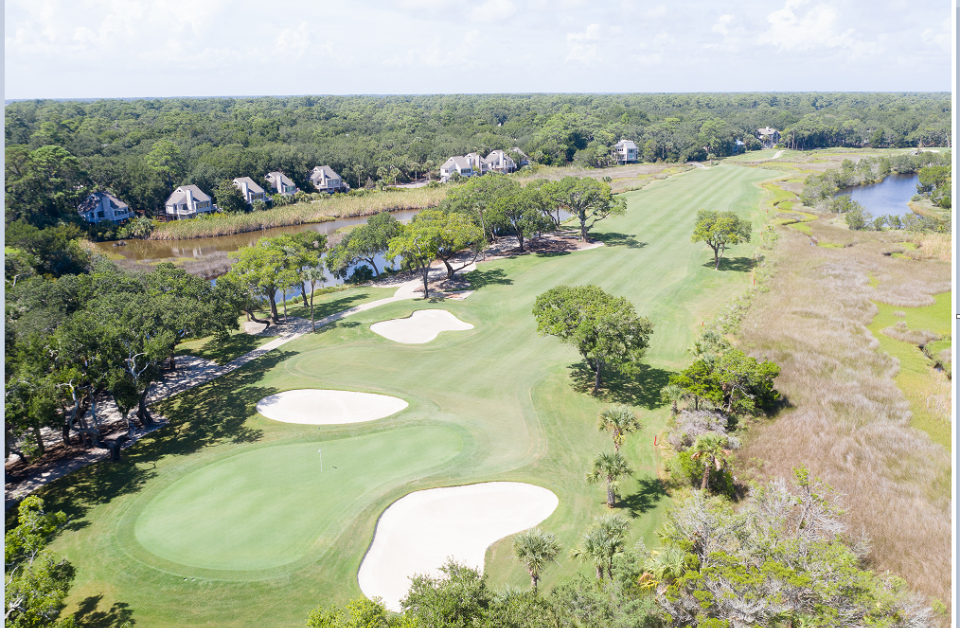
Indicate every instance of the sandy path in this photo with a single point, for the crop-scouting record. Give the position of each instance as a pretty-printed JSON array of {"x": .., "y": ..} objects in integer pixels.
[
  {"x": 777, "y": 155},
  {"x": 420, "y": 327},
  {"x": 417, "y": 533},
  {"x": 328, "y": 407}
]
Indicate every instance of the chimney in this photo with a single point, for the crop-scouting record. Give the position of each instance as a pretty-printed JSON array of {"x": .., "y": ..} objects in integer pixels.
[
  {"x": 246, "y": 191},
  {"x": 189, "y": 199}
]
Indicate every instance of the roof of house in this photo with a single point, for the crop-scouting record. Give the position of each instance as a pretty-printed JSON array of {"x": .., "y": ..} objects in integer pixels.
[
  {"x": 516, "y": 149},
  {"x": 766, "y": 131},
  {"x": 251, "y": 184},
  {"x": 626, "y": 144},
  {"x": 284, "y": 179},
  {"x": 459, "y": 162},
  {"x": 497, "y": 157},
  {"x": 180, "y": 194},
  {"x": 93, "y": 201},
  {"x": 327, "y": 172}
]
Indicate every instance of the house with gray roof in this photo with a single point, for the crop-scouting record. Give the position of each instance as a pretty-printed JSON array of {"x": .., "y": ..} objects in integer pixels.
[
  {"x": 326, "y": 180},
  {"x": 524, "y": 160},
  {"x": 625, "y": 152},
  {"x": 499, "y": 161},
  {"x": 457, "y": 164},
  {"x": 101, "y": 206},
  {"x": 476, "y": 162},
  {"x": 188, "y": 201},
  {"x": 768, "y": 137},
  {"x": 250, "y": 190},
  {"x": 281, "y": 183}
]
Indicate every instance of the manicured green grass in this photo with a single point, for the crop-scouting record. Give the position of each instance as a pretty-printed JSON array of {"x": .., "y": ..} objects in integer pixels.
[
  {"x": 917, "y": 378},
  {"x": 520, "y": 405}
]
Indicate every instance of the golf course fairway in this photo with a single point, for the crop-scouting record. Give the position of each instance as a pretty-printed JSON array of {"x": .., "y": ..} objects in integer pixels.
[{"x": 498, "y": 403}]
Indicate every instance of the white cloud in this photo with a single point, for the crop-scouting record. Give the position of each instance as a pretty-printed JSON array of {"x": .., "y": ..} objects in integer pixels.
[
  {"x": 722, "y": 25},
  {"x": 582, "y": 46},
  {"x": 426, "y": 5},
  {"x": 814, "y": 29},
  {"x": 493, "y": 11},
  {"x": 941, "y": 37},
  {"x": 658, "y": 11}
]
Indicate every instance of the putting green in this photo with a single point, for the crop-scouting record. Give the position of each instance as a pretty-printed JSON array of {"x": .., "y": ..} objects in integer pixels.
[{"x": 266, "y": 508}]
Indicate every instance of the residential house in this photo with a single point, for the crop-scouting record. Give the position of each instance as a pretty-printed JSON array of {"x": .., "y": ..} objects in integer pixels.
[
  {"x": 768, "y": 137},
  {"x": 326, "y": 180},
  {"x": 498, "y": 161},
  {"x": 476, "y": 163},
  {"x": 625, "y": 152},
  {"x": 459, "y": 165},
  {"x": 189, "y": 201},
  {"x": 281, "y": 183},
  {"x": 101, "y": 206},
  {"x": 250, "y": 190},
  {"x": 524, "y": 160}
]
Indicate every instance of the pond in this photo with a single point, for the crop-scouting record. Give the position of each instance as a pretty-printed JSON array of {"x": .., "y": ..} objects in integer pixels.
[{"x": 887, "y": 198}]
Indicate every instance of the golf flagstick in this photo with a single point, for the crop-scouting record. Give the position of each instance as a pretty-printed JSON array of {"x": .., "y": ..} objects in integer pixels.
[{"x": 320, "y": 451}]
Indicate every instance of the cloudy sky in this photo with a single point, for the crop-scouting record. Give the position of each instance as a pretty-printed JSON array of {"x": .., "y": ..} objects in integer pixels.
[{"x": 140, "y": 48}]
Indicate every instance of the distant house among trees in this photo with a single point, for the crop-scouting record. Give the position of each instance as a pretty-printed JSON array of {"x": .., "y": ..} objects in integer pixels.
[
  {"x": 476, "y": 163},
  {"x": 626, "y": 152},
  {"x": 250, "y": 190},
  {"x": 768, "y": 137},
  {"x": 524, "y": 160},
  {"x": 281, "y": 183},
  {"x": 498, "y": 161},
  {"x": 459, "y": 165},
  {"x": 326, "y": 180},
  {"x": 101, "y": 206},
  {"x": 188, "y": 201}
]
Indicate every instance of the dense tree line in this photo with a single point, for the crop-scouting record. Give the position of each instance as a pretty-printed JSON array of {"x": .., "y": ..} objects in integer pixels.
[{"x": 142, "y": 149}]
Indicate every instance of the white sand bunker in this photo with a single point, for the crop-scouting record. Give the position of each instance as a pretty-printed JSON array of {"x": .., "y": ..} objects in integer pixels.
[
  {"x": 328, "y": 407},
  {"x": 417, "y": 533},
  {"x": 422, "y": 326}
]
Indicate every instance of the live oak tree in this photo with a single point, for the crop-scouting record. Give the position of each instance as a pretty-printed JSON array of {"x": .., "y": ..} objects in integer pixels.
[
  {"x": 435, "y": 235},
  {"x": 732, "y": 382},
  {"x": 720, "y": 230},
  {"x": 606, "y": 330},
  {"x": 589, "y": 200},
  {"x": 364, "y": 244},
  {"x": 263, "y": 269},
  {"x": 479, "y": 197},
  {"x": 526, "y": 212}
]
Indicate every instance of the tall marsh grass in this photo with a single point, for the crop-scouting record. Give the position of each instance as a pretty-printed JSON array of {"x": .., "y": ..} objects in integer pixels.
[
  {"x": 339, "y": 206},
  {"x": 847, "y": 420}
]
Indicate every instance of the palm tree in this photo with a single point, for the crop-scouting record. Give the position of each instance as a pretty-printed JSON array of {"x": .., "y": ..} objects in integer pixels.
[
  {"x": 663, "y": 567},
  {"x": 611, "y": 467},
  {"x": 673, "y": 395},
  {"x": 535, "y": 548},
  {"x": 620, "y": 420},
  {"x": 711, "y": 448},
  {"x": 601, "y": 542}
]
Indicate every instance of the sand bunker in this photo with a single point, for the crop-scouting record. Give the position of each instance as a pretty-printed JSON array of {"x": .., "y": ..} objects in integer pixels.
[
  {"x": 422, "y": 326},
  {"x": 417, "y": 533},
  {"x": 328, "y": 407}
]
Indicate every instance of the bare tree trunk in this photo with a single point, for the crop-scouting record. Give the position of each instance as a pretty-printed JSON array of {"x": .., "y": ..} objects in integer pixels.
[
  {"x": 706, "y": 476},
  {"x": 611, "y": 496},
  {"x": 274, "y": 315},
  {"x": 426, "y": 276},
  {"x": 597, "y": 381},
  {"x": 142, "y": 412},
  {"x": 39, "y": 437},
  {"x": 284, "y": 296},
  {"x": 369, "y": 260}
]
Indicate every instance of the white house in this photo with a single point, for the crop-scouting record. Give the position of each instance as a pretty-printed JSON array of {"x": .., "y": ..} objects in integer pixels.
[
  {"x": 189, "y": 201},
  {"x": 768, "y": 137},
  {"x": 281, "y": 183},
  {"x": 250, "y": 190},
  {"x": 498, "y": 161},
  {"x": 625, "y": 152},
  {"x": 326, "y": 180},
  {"x": 460, "y": 165},
  {"x": 476, "y": 163},
  {"x": 101, "y": 206}
]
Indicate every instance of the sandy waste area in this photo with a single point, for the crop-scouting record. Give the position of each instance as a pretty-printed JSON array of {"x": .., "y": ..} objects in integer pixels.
[
  {"x": 418, "y": 532},
  {"x": 328, "y": 407},
  {"x": 422, "y": 326}
]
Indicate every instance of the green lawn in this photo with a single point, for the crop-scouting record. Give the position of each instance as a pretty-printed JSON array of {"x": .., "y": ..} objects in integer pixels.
[
  {"x": 151, "y": 534},
  {"x": 916, "y": 378}
]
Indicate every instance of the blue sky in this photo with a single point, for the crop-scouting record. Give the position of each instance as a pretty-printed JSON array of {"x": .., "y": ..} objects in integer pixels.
[{"x": 133, "y": 48}]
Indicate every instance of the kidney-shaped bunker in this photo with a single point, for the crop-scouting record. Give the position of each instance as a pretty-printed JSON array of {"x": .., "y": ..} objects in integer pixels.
[{"x": 328, "y": 407}]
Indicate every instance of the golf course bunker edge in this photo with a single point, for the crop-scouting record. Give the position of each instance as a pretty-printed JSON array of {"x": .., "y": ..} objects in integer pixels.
[
  {"x": 417, "y": 533},
  {"x": 312, "y": 406},
  {"x": 420, "y": 327}
]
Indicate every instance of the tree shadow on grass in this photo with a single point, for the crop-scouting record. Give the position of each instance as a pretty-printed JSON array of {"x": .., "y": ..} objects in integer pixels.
[
  {"x": 87, "y": 616},
  {"x": 735, "y": 264},
  {"x": 650, "y": 493},
  {"x": 640, "y": 390},
  {"x": 212, "y": 414},
  {"x": 322, "y": 309},
  {"x": 619, "y": 239},
  {"x": 482, "y": 278}
]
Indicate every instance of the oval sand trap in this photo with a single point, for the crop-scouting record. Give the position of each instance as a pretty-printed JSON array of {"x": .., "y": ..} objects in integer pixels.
[
  {"x": 422, "y": 326},
  {"x": 417, "y": 533},
  {"x": 328, "y": 407}
]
